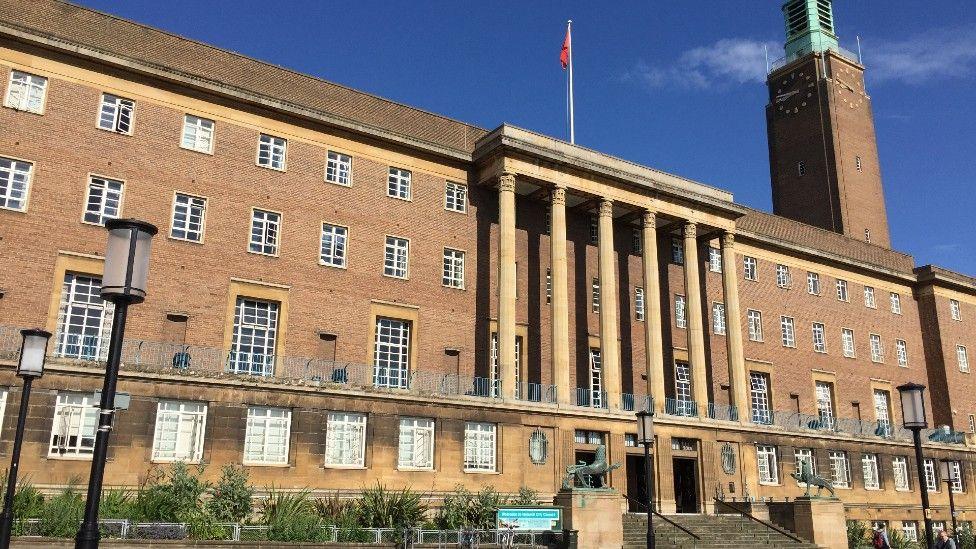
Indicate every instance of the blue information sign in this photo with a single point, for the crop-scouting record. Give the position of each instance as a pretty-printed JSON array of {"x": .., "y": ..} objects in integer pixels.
[{"x": 529, "y": 518}]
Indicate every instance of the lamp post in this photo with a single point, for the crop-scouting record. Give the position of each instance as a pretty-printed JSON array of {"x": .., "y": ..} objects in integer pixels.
[
  {"x": 645, "y": 437},
  {"x": 31, "y": 365},
  {"x": 124, "y": 284},
  {"x": 913, "y": 417},
  {"x": 949, "y": 475}
]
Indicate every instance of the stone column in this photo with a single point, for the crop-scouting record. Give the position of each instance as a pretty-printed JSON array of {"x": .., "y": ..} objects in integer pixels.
[
  {"x": 738, "y": 380},
  {"x": 506, "y": 284},
  {"x": 696, "y": 334},
  {"x": 560, "y": 301},
  {"x": 653, "y": 343},
  {"x": 609, "y": 344}
]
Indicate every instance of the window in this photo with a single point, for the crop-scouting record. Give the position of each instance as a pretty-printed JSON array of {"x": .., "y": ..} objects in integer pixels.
[
  {"x": 453, "y": 276},
  {"x": 265, "y": 226},
  {"x": 867, "y": 235},
  {"x": 179, "y": 431},
  {"x": 456, "y": 197},
  {"x": 479, "y": 446},
  {"x": 548, "y": 285},
  {"x": 684, "y": 444},
  {"x": 496, "y": 384},
  {"x": 804, "y": 455},
  {"x": 630, "y": 440},
  {"x": 750, "y": 268},
  {"x": 338, "y": 168},
  {"x": 954, "y": 309},
  {"x": 272, "y": 152},
  {"x": 3, "y": 405},
  {"x": 754, "y": 319},
  {"x": 596, "y": 378},
  {"x": 75, "y": 419},
  {"x": 718, "y": 318},
  {"x": 594, "y": 230},
  {"x": 825, "y": 404},
  {"x": 899, "y": 467},
  {"x": 766, "y": 458},
  {"x": 391, "y": 361},
  {"x": 581, "y": 436},
  {"x": 685, "y": 402},
  {"x": 813, "y": 283},
  {"x": 84, "y": 319},
  {"x": 847, "y": 338},
  {"x": 783, "y": 276},
  {"x": 595, "y": 294},
  {"x": 972, "y": 423},
  {"x": 840, "y": 469},
  {"x": 786, "y": 327},
  {"x": 842, "y": 294},
  {"x": 398, "y": 184},
  {"x": 116, "y": 113},
  {"x": 895, "y": 303},
  {"x": 962, "y": 357},
  {"x": 636, "y": 241},
  {"x": 901, "y": 351},
  {"x": 26, "y": 92},
  {"x": 198, "y": 134},
  {"x": 345, "y": 440},
  {"x": 103, "y": 200},
  {"x": 639, "y": 304},
  {"x": 332, "y": 251},
  {"x": 955, "y": 473},
  {"x": 909, "y": 529},
  {"x": 869, "y": 468},
  {"x": 937, "y": 526},
  {"x": 15, "y": 177},
  {"x": 252, "y": 348},
  {"x": 680, "y": 312},
  {"x": 714, "y": 260},
  {"x": 819, "y": 338},
  {"x": 877, "y": 350},
  {"x": 266, "y": 436},
  {"x": 677, "y": 252},
  {"x": 188, "y": 217},
  {"x": 549, "y": 221},
  {"x": 416, "y": 444},
  {"x": 931, "y": 479},
  {"x": 396, "y": 259},
  {"x": 801, "y": 168},
  {"x": 759, "y": 393},
  {"x": 857, "y": 162},
  {"x": 869, "y": 298},
  {"x": 882, "y": 411}
]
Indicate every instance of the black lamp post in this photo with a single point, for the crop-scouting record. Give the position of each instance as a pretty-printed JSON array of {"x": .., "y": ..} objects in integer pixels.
[
  {"x": 123, "y": 283},
  {"x": 31, "y": 365},
  {"x": 645, "y": 437},
  {"x": 949, "y": 476},
  {"x": 913, "y": 417}
]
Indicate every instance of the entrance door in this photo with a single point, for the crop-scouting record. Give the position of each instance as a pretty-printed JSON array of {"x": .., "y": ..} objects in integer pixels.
[
  {"x": 636, "y": 484},
  {"x": 685, "y": 485}
]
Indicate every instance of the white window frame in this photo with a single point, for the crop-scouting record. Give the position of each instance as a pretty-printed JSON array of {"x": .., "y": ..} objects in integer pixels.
[
  {"x": 714, "y": 259},
  {"x": 882, "y": 410},
  {"x": 767, "y": 464},
  {"x": 480, "y": 447},
  {"x": 901, "y": 351},
  {"x": 636, "y": 241},
  {"x": 453, "y": 272},
  {"x": 338, "y": 168},
  {"x": 416, "y": 438},
  {"x": 396, "y": 257},
  {"x": 26, "y": 92},
  {"x": 840, "y": 469},
  {"x": 825, "y": 403},
  {"x": 842, "y": 293},
  {"x": 869, "y": 298},
  {"x": 596, "y": 378},
  {"x": 869, "y": 471},
  {"x": 594, "y": 229},
  {"x": 265, "y": 232},
  {"x": 272, "y": 152},
  {"x": 877, "y": 348},
  {"x": 111, "y": 191},
  {"x": 787, "y": 331},
  {"x": 190, "y": 420},
  {"x": 719, "y": 325},
  {"x": 899, "y": 468},
  {"x": 116, "y": 114},
  {"x": 957, "y": 483},
  {"x": 680, "y": 311},
  {"x": 962, "y": 358},
  {"x": 254, "y": 343},
  {"x": 74, "y": 426},
  {"x": 639, "y": 304},
  {"x": 931, "y": 475},
  {"x": 895, "y": 299},
  {"x": 909, "y": 529},
  {"x": 345, "y": 440},
  {"x": 783, "y": 278},
  {"x": 399, "y": 184},
  {"x": 804, "y": 454},
  {"x": 595, "y": 295},
  {"x": 193, "y": 210},
  {"x": 333, "y": 245},
  {"x": 683, "y": 396},
  {"x": 759, "y": 398},
  {"x": 813, "y": 283},
  {"x": 266, "y": 418},
  {"x": 198, "y": 134},
  {"x": 455, "y": 197},
  {"x": 391, "y": 352},
  {"x": 15, "y": 183},
  {"x": 848, "y": 343},
  {"x": 754, "y": 321},
  {"x": 819, "y": 337},
  {"x": 750, "y": 268},
  {"x": 955, "y": 309},
  {"x": 3, "y": 406},
  {"x": 83, "y": 316}
]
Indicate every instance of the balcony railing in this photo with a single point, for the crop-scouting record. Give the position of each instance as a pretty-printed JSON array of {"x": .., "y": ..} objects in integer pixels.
[
  {"x": 588, "y": 398},
  {"x": 679, "y": 407},
  {"x": 783, "y": 61}
]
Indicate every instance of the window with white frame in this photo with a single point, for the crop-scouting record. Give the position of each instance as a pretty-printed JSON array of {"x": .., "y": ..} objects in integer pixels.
[
  {"x": 680, "y": 312},
  {"x": 15, "y": 178},
  {"x": 391, "y": 359},
  {"x": 931, "y": 477},
  {"x": 787, "y": 331},
  {"x": 840, "y": 469},
  {"x": 972, "y": 423},
  {"x": 899, "y": 467},
  {"x": 677, "y": 252},
  {"x": 962, "y": 358},
  {"x": 188, "y": 217},
  {"x": 901, "y": 351},
  {"x": 783, "y": 279},
  {"x": 804, "y": 455},
  {"x": 254, "y": 339},
  {"x": 548, "y": 285},
  {"x": 272, "y": 152},
  {"x": 869, "y": 469},
  {"x": 750, "y": 268},
  {"x": 819, "y": 338},
  {"x": 73, "y": 431},
  {"x": 595, "y": 294},
  {"x": 265, "y": 227},
  {"x": 954, "y": 309},
  {"x": 869, "y": 298},
  {"x": 714, "y": 260},
  {"x": 877, "y": 349},
  {"x": 332, "y": 247},
  {"x": 937, "y": 526},
  {"x": 754, "y": 320},
  {"x": 84, "y": 319},
  {"x": 596, "y": 378},
  {"x": 636, "y": 241},
  {"x": 857, "y": 162},
  {"x": 266, "y": 436},
  {"x": 453, "y": 275},
  {"x": 455, "y": 197},
  {"x": 115, "y": 114},
  {"x": 496, "y": 383},
  {"x": 759, "y": 396},
  {"x": 398, "y": 183},
  {"x": 842, "y": 294},
  {"x": 345, "y": 440},
  {"x": 3, "y": 405},
  {"x": 825, "y": 404},
  {"x": 847, "y": 339},
  {"x": 685, "y": 402},
  {"x": 416, "y": 445},
  {"x": 909, "y": 529},
  {"x": 639, "y": 304},
  {"x": 179, "y": 431},
  {"x": 198, "y": 134},
  {"x": 26, "y": 92},
  {"x": 479, "y": 446},
  {"x": 338, "y": 168},
  {"x": 594, "y": 229},
  {"x": 895, "y": 303},
  {"x": 768, "y": 467},
  {"x": 882, "y": 411},
  {"x": 813, "y": 283},
  {"x": 718, "y": 318},
  {"x": 396, "y": 259},
  {"x": 955, "y": 474},
  {"x": 103, "y": 200}
]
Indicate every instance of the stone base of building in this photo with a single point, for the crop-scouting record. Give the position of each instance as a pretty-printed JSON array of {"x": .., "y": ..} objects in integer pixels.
[
  {"x": 821, "y": 520},
  {"x": 597, "y": 516}
]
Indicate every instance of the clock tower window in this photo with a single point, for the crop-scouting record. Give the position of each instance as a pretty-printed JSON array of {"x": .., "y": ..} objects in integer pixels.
[
  {"x": 801, "y": 168},
  {"x": 858, "y": 162}
]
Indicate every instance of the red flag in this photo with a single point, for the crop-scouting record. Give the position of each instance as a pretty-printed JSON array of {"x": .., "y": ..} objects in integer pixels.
[{"x": 564, "y": 54}]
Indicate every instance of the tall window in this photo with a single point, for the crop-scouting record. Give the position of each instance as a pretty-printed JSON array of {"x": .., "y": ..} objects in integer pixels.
[
  {"x": 899, "y": 467},
  {"x": 265, "y": 227},
  {"x": 931, "y": 478},
  {"x": 84, "y": 319},
  {"x": 548, "y": 285},
  {"x": 962, "y": 357},
  {"x": 750, "y": 268},
  {"x": 15, "y": 177},
  {"x": 877, "y": 349},
  {"x": 455, "y": 197},
  {"x": 819, "y": 338},
  {"x": 116, "y": 113},
  {"x": 754, "y": 319},
  {"x": 857, "y": 162},
  {"x": 680, "y": 312},
  {"x": 197, "y": 134},
  {"x": 496, "y": 388},
  {"x": 801, "y": 168},
  {"x": 714, "y": 260},
  {"x": 895, "y": 303},
  {"x": 188, "y": 217},
  {"x": 813, "y": 283},
  {"x": 345, "y": 440},
  {"x": 26, "y": 92},
  {"x": 272, "y": 152},
  {"x": 955, "y": 473},
  {"x": 266, "y": 436},
  {"x": 179, "y": 433},
  {"x": 639, "y": 304},
  {"x": 397, "y": 257},
  {"x": 416, "y": 447},
  {"x": 479, "y": 446},
  {"x": 954, "y": 309},
  {"x": 972, "y": 423},
  {"x": 909, "y": 529},
  {"x": 338, "y": 168},
  {"x": 255, "y": 334},
  {"x": 869, "y": 468},
  {"x": 398, "y": 183},
  {"x": 783, "y": 276},
  {"x": 759, "y": 392},
  {"x": 768, "y": 470},
  {"x": 685, "y": 402},
  {"x": 718, "y": 318},
  {"x": 804, "y": 455},
  {"x": 596, "y": 378},
  {"x": 677, "y": 252},
  {"x": 636, "y": 241},
  {"x": 825, "y": 404},
  {"x": 847, "y": 338},
  {"x": 103, "y": 200},
  {"x": 391, "y": 361},
  {"x": 901, "y": 350},
  {"x": 788, "y": 332},
  {"x": 842, "y": 294},
  {"x": 869, "y": 297},
  {"x": 882, "y": 411},
  {"x": 3, "y": 405},
  {"x": 840, "y": 469},
  {"x": 595, "y": 294},
  {"x": 594, "y": 230},
  {"x": 73, "y": 432},
  {"x": 453, "y": 275},
  {"x": 332, "y": 249}
]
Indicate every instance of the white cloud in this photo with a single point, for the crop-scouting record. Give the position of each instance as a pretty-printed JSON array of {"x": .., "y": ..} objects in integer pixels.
[
  {"x": 934, "y": 54},
  {"x": 728, "y": 61}
]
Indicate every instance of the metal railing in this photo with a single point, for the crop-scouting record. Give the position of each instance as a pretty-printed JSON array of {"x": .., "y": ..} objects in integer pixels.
[
  {"x": 723, "y": 412},
  {"x": 633, "y": 403},
  {"x": 768, "y": 525},
  {"x": 786, "y": 60},
  {"x": 672, "y": 534},
  {"x": 589, "y": 398},
  {"x": 680, "y": 407}
]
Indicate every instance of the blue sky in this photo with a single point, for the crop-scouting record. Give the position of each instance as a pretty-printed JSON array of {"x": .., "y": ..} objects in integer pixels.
[{"x": 674, "y": 85}]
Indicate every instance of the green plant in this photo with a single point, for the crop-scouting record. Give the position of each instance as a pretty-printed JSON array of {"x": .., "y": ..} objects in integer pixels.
[
  {"x": 291, "y": 517},
  {"x": 380, "y": 507},
  {"x": 897, "y": 540},
  {"x": 60, "y": 516},
  {"x": 175, "y": 496},
  {"x": 28, "y": 500},
  {"x": 856, "y": 534},
  {"x": 966, "y": 539},
  {"x": 116, "y": 504},
  {"x": 231, "y": 497},
  {"x": 526, "y": 496}
]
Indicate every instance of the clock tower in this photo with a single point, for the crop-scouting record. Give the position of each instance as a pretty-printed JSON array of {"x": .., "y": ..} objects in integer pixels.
[{"x": 823, "y": 155}]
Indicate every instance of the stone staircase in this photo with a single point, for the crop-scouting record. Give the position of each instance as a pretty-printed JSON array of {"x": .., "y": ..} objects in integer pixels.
[{"x": 715, "y": 531}]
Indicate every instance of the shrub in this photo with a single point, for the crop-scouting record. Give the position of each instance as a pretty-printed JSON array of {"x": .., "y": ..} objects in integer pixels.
[
  {"x": 28, "y": 500},
  {"x": 383, "y": 508},
  {"x": 173, "y": 497},
  {"x": 116, "y": 504},
  {"x": 231, "y": 497},
  {"x": 526, "y": 496},
  {"x": 462, "y": 509},
  {"x": 897, "y": 540},
  {"x": 61, "y": 515},
  {"x": 291, "y": 517},
  {"x": 966, "y": 539},
  {"x": 856, "y": 534}
]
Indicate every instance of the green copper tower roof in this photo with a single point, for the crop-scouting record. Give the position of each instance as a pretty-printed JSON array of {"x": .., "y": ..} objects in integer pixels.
[{"x": 809, "y": 27}]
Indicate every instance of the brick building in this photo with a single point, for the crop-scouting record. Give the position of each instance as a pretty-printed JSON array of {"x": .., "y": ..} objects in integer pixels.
[{"x": 347, "y": 289}]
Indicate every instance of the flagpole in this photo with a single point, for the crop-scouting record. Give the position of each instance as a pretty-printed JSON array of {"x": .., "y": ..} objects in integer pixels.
[{"x": 572, "y": 124}]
